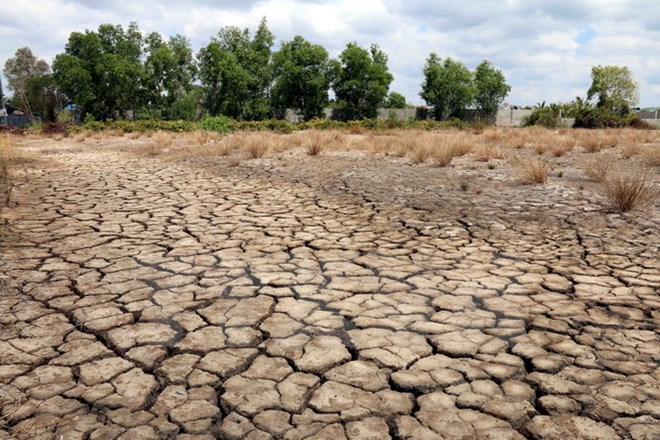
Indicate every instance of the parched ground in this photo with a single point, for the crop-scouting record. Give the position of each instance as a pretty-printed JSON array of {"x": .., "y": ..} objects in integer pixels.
[{"x": 348, "y": 295}]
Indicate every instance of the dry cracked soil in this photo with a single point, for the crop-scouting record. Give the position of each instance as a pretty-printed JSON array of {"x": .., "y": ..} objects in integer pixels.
[{"x": 319, "y": 298}]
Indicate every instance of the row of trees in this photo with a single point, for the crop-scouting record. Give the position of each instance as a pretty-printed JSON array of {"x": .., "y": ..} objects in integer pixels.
[{"x": 107, "y": 72}]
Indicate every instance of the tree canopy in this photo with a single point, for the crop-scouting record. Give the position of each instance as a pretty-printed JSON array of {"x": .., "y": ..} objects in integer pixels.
[
  {"x": 615, "y": 88},
  {"x": 361, "y": 81},
  {"x": 490, "y": 89},
  {"x": 301, "y": 72},
  {"x": 22, "y": 70},
  {"x": 447, "y": 86}
]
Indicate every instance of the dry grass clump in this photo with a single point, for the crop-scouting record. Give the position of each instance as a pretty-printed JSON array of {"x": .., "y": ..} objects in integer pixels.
[
  {"x": 160, "y": 142},
  {"x": 592, "y": 144},
  {"x": 629, "y": 150},
  {"x": 487, "y": 152},
  {"x": 628, "y": 191},
  {"x": 10, "y": 156},
  {"x": 421, "y": 153},
  {"x": 597, "y": 169},
  {"x": 562, "y": 145},
  {"x": 460, "y": 143},
  {"x": 534, "y": 170},
  {"x": 256, "y": 145},
  {"x": 134, "y": 135},
  {"x": 443, "y": 155},
  {"x": 315, "y": 141},
  {"x": 651, "y": 155},
  {"x": 200, "y": 137}
]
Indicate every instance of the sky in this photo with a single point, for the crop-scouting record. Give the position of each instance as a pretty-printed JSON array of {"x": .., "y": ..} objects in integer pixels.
[{"x": 545, "y": 48}]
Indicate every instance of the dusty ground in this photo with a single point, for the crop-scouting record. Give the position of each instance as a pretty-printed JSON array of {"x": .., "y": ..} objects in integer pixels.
[{"x": 349, "y": 295}]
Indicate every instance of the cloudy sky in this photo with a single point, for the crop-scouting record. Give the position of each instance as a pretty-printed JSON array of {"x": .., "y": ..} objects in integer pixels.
[{"x": 544, "y": 47}]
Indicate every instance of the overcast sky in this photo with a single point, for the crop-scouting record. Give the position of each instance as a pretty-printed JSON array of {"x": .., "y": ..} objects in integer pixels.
[{"x": 545, "y": 48}]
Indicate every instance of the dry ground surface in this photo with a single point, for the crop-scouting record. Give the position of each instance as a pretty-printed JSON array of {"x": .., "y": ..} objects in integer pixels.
[{"x": 395, "y": 285}]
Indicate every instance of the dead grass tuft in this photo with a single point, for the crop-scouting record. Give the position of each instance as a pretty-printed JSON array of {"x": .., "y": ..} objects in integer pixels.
[
  {"x": 443, "y": 155},
  {"x": 315, "y": 141},
  {"x": 629, "y": 150},
  {"x": 256, "y": 145},
  {"x": 597, "y": 169},
  {"x": 160, "y": 143},
  {"x": 592, "y": 144},
  {"x": 10, "y": 156},
  {"x": 651, "y": 155},
  {"x": 534, "y": 170},
  {"x": 628, "y": 191},
  {"x": 562, "y": 145},
  {"x": 421, "y": 153},
  {"x": 488, "y": 152}
]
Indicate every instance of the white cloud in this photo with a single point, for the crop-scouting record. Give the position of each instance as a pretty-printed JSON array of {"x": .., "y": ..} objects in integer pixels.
[{"x": 536, "y": 44}]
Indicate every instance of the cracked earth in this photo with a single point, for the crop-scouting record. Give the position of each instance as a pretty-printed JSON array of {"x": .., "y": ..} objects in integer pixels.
[{"x": 326, "y": 298}]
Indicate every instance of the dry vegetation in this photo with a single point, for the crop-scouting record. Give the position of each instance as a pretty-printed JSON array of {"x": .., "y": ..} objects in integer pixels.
[
  {"x": 10, "y": 157},
  {"x": 534, "y": 170},
  {"x": 532, "y": 152},
  {"x": 629, "y": 190}
]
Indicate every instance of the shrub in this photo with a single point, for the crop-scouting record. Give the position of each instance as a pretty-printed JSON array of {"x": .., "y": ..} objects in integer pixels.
[
  {"x": 221, "y": 124},
  {"x": 601, "y": 117},
  {"x": 626, "y": 192},
  {"x": 443, "y": 155},
  {"x": 547, "y": 117},
  {"x": 55, "y": 128}
]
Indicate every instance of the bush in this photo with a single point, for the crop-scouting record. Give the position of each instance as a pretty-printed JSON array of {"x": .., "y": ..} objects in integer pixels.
[
  {"x": 547, "y": 117},
  {"x": 221, "y": 124},
  {"x": 601, "y": 117},
  {"x": 54, "y": 128}
]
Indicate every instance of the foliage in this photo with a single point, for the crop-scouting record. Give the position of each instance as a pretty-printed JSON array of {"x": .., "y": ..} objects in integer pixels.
[
  {"x": 601, "y": 117},
  {"x": 221, "y": 124},
  {"x": 51, "y": 128},
  {"x": 168, "y": 77},
  {"x": 447, "y": 87},
  {"x": 24, "y": 72},
  {"x": 615, "y": 88},
  {"x": 490, "y": 89},
  {"x": 545, "y": 116},
  {"x": 235, "y": 73},
  {"x": 101, "y": 72},
  {"x": 361, "y": 81},
  {"x": 301, "y": 73},
  {"x": 395, "y": 100}
]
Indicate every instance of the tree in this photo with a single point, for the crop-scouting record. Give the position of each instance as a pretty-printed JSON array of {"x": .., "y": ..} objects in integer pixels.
[
  {"x": 490, "y": 89},
  {"x": 396, "y": 100},
  {"x": 101, "y": 72},
  {"x": 235, "y": 73},
  {"x": 361, "y": 81},
  {"x": 20, "y": 70},
  {"x": 615, "y": 88},
  {"x": 301, "y": 78},
  {"x": 169, "y": 74},
  {"x": 447, "y": 87}
]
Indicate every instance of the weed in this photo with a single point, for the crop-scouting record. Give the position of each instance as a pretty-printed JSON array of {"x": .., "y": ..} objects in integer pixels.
[
  {"x": 257, "y": 145},
  {"x": 491, "y": 166},
  {"x": 315, "y": 142},
  {"x": 652, "y": 155},
  {"x": 465, "y": 185}
]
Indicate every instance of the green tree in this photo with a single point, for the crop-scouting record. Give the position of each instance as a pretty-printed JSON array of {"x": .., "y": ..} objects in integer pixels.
[
  {"x": 301, "y": 78},
  {"x": 19, "y": 70},
  {"x": 490, "y": 89},
  {"x": 447, "y": 87},
  {"x": 102, "y": 72},
  {"x": 43, "y": 94},
  {"x": 235, "y": 73},
  {"x": 395, "y": 100},
  {"x": 169, "y": 74},
  {"x": 361, "y": 81},
  {"x": 615, "y": 88}
]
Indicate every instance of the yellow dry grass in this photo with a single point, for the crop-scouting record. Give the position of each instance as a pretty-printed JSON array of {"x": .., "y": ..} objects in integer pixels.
[
  {"x": 534, "y": 170},
  {"x": 597, "y": 169}
]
